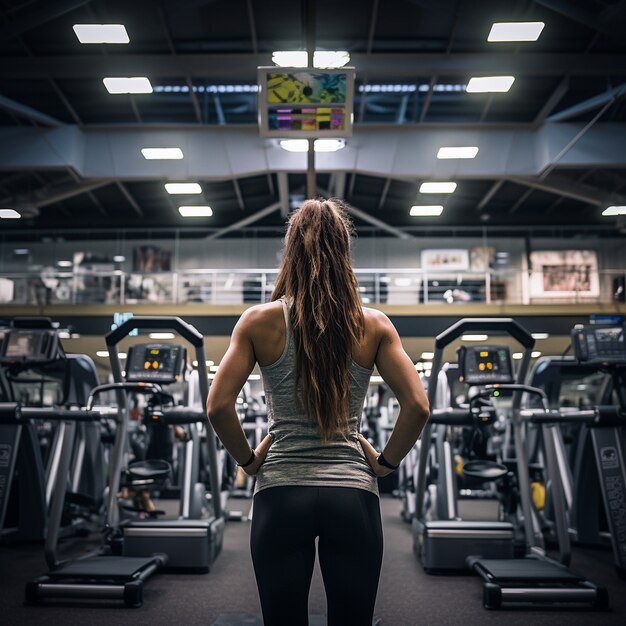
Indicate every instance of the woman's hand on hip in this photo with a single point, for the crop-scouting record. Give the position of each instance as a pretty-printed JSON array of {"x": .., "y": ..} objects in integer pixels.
[
  {"x": 260, "y": 452},
  {"x": 371, "y": 454}
]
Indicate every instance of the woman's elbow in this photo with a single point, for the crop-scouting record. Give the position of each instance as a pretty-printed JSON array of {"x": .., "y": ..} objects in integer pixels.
[
  {"x": 216, "y": 409},
  {"x": 420, "y": 408}
]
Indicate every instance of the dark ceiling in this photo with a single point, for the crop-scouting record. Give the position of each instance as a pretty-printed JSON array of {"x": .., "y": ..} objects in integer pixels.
[{"x": 190, "y": 47}]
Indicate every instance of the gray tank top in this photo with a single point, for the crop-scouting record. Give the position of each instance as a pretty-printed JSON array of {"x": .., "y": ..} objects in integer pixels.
[{"x": 297, "y": 455}]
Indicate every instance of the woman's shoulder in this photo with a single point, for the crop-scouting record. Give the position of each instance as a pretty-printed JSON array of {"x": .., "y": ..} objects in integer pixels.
[
  {"x": 262, "y": 314},
  {"x": 374, "y": 317}
]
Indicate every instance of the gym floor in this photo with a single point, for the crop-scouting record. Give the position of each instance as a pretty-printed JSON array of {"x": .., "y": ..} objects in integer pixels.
[{"x": 406, "y": 595}]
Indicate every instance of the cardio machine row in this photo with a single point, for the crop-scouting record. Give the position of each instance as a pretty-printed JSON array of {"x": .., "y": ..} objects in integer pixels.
[
  {"x": 489, "y": 487},
  {"x": 137, "y": 543}
]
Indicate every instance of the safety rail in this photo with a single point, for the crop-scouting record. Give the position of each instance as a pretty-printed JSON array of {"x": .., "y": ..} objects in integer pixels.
[{"x": 394, "y": 286}]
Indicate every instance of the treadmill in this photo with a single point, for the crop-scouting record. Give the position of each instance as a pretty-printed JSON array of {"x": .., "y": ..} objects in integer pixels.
[
  {"x": 537, "y": 579},
  {"x": 112, "y": 573}
]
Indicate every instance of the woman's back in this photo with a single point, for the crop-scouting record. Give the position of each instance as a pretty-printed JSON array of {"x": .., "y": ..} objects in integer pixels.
[{"x": 298, "y": 455}]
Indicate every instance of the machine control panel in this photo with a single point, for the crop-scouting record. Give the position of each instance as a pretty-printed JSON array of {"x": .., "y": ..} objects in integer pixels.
[
  {"x": 598, "y": 344},
  {"x": 155, "y": 363},
  {"x": 485, "y": 365},
  {"x": 30, "y": 346}
]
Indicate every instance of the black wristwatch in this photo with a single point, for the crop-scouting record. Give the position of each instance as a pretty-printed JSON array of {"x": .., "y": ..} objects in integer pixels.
[
  {"x": 250, "y": 461},
  {"x": 385, "y": 463}
]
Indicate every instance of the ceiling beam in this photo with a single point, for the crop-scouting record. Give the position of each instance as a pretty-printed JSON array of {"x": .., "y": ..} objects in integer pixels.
[
  {"x": 339, "y": 190},
  {"x": 370, "y": 219},
  {"x": 23, "y": 110},
  {"x": 493, "y": 190},
  {"x": 565, "y": 187},
  {"x": 283, "y": 193},
  {"x": 375, "y": 66},
  {"x": 578, "y": 14},
  {"x": 555, "y": 97},
  {"x": 31, "y": 17},
  {"x": 220, "y": 153},
  {"x": 128, "y": 197},
  {"x": 590, "y": 104},
  {"x": 53, "y": 193},
  {"x": 246, "y": 221}
]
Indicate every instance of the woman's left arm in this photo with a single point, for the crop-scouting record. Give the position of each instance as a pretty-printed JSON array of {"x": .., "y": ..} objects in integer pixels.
[{"x": 231, "y": 376}]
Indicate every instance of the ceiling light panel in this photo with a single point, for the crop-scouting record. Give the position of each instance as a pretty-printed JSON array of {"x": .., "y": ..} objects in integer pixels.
[
  {"x": 101, "y": 33},
  {"x": 490, "y": 84},
  {"x": 441, "y": 187},
  {"x": 515, "y": 31},
  {"x": 457, "y": 152},
  {"x": 195, "y": 211},
  {"x": 127, "y": 84},
  {"x": 9, "y": 214},
  {"x": 426, "y": 210},
  {"x": 183, "y": 188},
  {"x": 615, "y": 210},
  {"x": 162, "y": 153}
]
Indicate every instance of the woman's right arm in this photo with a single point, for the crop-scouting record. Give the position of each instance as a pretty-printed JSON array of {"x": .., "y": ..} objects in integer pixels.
[{"x": 398, "y": 371}]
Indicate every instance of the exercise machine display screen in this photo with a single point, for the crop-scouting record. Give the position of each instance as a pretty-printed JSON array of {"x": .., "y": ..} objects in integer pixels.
[
  {"x": 155, "y": 363},
  {"x": 32, "y": 346},
  {"x": 599, "y": 344},
  {"x": 485, "y": 365}
]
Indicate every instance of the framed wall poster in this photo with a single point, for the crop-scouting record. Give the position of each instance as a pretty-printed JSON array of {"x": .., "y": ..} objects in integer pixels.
[
  {"x": 445, "y": 260},
  {"x": 564, "y": 274}
]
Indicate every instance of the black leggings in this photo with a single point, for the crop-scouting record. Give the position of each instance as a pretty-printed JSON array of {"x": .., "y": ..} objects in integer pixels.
[{"x": 285, "y": 523}]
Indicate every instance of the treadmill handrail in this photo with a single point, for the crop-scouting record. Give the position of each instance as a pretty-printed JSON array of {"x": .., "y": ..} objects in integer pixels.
[
  {"x": 155, "y": 322},
  {"x": 485, "y": 324}
]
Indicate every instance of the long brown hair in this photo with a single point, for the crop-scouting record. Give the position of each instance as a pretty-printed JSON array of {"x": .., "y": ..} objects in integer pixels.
[{"x": 326, "y": 314}]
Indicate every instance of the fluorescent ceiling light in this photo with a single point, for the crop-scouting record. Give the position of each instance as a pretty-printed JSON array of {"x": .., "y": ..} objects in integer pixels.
[
  {"x": 122, "y": 355},
  {"x": 457, "y": 152},
  {"x": 515, "y": 31},
  {"x": 540, "y": 335},
  {"x": 426, "y": 210},
  {"x": 376, "y": 379},
  {"x": 427, "y": 365},
  {"x": 130, "y": 84},
  {"x": 484, "y": 84},
  {"x": 254, "y": 377},
  {"x": 330, "y": 58},
  {"x": 214, "y": 368},
  {"x": 320, "y": 145},
  {"x": 102, "y": 353},
  {"x": 612, "y": 210},
  {"x": 21, "y": 251},
  {"x": 475, "y": 337},
  {"x": 119, "y": 258},
  {"x": 101, "y": 33},
  {"x": 321, "y": 58},
  {"x": 162, "y": 153},
  {"x": 517, "y": 355},
  {"x": 195, "y": 211},
  {"x": 9, "y": 214},
  {"x": 437, "y": 187},
  {"x": 290, "y": 58},
  {"x": 428, "y": 355},
  {"x": 535, "y": 354},
  {"x": 64, "y": 263},
  {"x": 182, "y": 188},
  {"x": 161, "y": 335}
]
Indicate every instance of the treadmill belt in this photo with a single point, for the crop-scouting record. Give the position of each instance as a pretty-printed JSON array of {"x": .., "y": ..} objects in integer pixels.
[
  {"x": 102, "y": 567},
  {"x": 527, "y": 570}
]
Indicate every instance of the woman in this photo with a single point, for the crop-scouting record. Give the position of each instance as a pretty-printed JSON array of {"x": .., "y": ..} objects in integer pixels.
[{"x": 316, "y": 475}]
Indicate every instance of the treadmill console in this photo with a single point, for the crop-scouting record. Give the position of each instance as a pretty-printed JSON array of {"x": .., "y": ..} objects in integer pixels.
[
  {"x": 485, "y": 365},
  {"x": 32, "y": 346},
  {"x": 155, "y": 363},
  {"x": 598, "y": 345}
]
